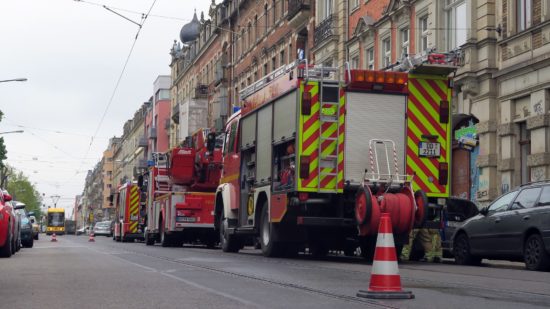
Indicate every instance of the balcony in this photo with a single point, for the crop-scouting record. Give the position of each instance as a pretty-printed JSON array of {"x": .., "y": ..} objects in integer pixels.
[
  {"x": 176, "y": 113},
  {"x": 142, "y": 142},
  {"x": 299, "y": 12},
  {"x": 324, "y": 30},
  {"x": 201, "y": 92},
  {"x": 153, "y": 133}
]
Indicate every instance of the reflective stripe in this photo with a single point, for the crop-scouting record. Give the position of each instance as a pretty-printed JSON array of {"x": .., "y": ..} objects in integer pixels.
[{"x": 423, "y": 118}]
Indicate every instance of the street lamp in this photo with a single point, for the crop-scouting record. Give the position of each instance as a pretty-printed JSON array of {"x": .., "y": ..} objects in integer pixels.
[
  {"x": 14, "y": 80},
  {"x": 16, "y": 131}
]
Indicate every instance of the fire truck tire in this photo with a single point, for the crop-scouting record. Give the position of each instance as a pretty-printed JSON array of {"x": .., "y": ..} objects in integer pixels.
[
  {"x": 228, "y": 243},
  {"x": 268, "y": 232},
  {"x": 367, "y": 246},
  {"x": 149, "y": 241},
  {"x": 421, "y": 212},
  {"x": 363, "y": 205},
  {"x": 165, "y": 240}
]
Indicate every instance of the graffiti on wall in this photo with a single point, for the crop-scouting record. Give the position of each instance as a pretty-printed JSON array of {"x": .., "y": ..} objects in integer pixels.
[
  {"x": 483, "y": 188},
  {"x": 474, "y": 174}
]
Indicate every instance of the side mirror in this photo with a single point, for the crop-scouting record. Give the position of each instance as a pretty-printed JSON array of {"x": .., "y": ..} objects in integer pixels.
[
  {"x": 211, "y": 142},
  {"x": 484, "y": 211},
  {"x": 7, "y": 197},
  {"x": 19, "y": 206}
]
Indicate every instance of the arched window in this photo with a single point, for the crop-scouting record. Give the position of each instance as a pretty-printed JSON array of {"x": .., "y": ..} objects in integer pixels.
[
  {"x": 250, "y": 35},
  {"x": 266, "y": 18}
]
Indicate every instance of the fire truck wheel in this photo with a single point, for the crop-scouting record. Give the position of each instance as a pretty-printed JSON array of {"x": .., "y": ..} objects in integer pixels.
[
  {"x": 363, "y": 205},
  {"x": 268, "y": 232},
  {"x": 165, "y": 240},
  {"x": 367, "y": 246},
  {"x": 422, "y": 204},
  {"x": 228, "y": 242},
  {"x": 149, "y": 241}
]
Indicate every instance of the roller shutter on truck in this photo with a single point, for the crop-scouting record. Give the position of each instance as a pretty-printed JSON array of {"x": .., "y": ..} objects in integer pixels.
[{"x": 372, "y": 116}]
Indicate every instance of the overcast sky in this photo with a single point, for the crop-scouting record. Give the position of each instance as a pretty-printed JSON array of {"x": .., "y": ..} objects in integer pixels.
[{"x": 72, "y": 53}]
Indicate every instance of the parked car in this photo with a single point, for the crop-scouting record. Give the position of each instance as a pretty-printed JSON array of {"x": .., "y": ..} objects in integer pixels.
[
  {"x": 16, "y": 207},
  {"x": 35, "y": 225},
  {"x": 83, "y": 230},
  {"x": 457, "y": 211},
  {"x": 103, "y": 228},
  {"x": 514, "y": 227},
  {"x": 7, "y": 226},
  {"x": 27, "y": 237}
]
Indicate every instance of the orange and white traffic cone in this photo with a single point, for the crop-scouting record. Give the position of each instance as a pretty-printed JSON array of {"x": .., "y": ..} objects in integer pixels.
[
  {"x": 91, "y": 239},
  {"x": 53, "y": 238},
  {"x": 385, "y": 281}
]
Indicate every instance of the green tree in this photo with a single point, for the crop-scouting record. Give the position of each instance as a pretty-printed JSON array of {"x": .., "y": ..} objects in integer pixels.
[
  {"x": 3, "y": 152},
  {"x": 24, "y": 191}
]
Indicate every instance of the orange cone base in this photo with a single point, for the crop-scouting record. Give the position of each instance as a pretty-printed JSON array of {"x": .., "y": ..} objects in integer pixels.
[{"x": 386, "y": 295}]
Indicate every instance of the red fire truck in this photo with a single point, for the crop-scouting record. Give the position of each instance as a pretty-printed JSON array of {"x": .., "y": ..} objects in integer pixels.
[
  {"x": 180, "y": 193},
  {"x": 312, "y": 160},
  {"x": 127, "y": 204}
]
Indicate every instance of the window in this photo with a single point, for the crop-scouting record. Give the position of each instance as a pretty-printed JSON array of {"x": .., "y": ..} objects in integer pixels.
[
  {"x": 282, "y": 57},
  {"x": 355, "y": 4},
  {"x": 526, "y": 198},
  {"x": 250, "y": 36},
  {"x": 256, "y": 28},
  {"x": 265, "y": 69},
  {"x": 274, "y": 12},
  {"x": 370, "y": 58},
  {"x": 273, "y": 64},
  {"x": 404, "y": 34},
  {"x": 501, "y": 204},
  {"x": 423, "y": 24},
  {"x": 456, "y": 23},
  {"x": 327, "y": 9},
  {"x": 266, "y": 18},
  {"x": 525, "y": 151},
  {"x": 230, "y": 138},
  {"x": 524, "y": 14},
  {"x": 386, "y": 52},
  {"x": 544, "y": 199},
  {"x": 355, "y": 62}
]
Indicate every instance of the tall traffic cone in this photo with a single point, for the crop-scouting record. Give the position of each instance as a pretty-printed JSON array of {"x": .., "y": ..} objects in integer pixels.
[
  {"x": 385, "y": 282},
  {"x": 53, "y": 237},
  {"x": 91, "y": 239}
]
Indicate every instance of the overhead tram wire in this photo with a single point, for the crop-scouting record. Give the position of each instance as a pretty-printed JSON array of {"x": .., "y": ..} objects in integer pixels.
[{"x": 144, "y": 18}]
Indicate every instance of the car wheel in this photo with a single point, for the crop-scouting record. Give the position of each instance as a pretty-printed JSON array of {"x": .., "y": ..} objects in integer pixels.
[
  {"x": 461, "y": 251},
  {"x": 535, "y": 255},
  {"x": 5, "y": 251}
]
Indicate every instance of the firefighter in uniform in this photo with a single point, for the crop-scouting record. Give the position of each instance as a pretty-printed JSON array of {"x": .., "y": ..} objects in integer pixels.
[{"x": 430, "y": 241}]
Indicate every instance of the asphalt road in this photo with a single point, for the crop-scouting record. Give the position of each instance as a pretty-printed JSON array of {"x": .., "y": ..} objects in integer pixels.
[{"x": 75, "y": 273}]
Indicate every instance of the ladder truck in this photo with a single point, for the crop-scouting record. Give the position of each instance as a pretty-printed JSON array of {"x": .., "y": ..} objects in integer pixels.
[
  {"x": 312, "y": 159},
  {"x": 180, "y": 190}
]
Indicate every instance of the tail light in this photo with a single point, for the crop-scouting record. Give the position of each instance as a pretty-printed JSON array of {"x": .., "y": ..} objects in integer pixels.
[
  {"x": 303, "y": 196},
  {"x": 443, "y": 173},
  {"x": 370, "y": 76},
  {"x": 304, "y": 166},
  {"x": 444, "y": 111},
  {"x": 306, "y": 103}
]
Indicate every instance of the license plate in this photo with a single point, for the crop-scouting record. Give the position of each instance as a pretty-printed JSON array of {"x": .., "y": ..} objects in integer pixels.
[
  {"x": 429, "y": 149},
  {"x": 186, "y": 219}
]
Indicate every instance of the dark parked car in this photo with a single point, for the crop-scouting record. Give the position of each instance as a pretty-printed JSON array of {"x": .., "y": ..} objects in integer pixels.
[
  {"x": 457, "y": 211},
  {"x": 516, "y": 227},
  {"x": 27, "y": 235}
]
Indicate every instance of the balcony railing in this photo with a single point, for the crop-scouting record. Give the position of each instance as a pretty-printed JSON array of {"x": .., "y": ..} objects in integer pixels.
[
  {"x": 296, "y": 7},
  {"x": 176, "y": 113},
  {"x": 324, "y": 30},
  {"x": 201, "y": 92},
  {"x": 142, "y": 142}
]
